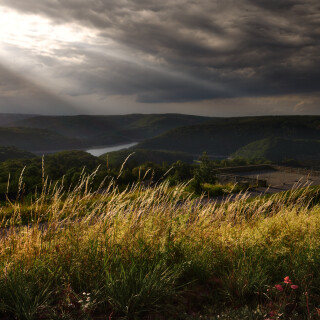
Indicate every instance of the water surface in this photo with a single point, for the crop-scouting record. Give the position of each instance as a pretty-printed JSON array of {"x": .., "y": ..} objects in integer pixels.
[{"x": 98, "y": 151}]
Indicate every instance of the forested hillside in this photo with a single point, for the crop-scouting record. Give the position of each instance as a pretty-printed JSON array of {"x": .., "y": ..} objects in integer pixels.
[
  {"x": 225, "y": 136},
  {"x": 32, "y": 139},
  {"x": 277, "y": 149},
  {"x": 7, "y": 153}
]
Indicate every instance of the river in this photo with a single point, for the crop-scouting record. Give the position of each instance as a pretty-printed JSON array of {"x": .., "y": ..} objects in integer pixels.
[{"x": 98, "y": 151}]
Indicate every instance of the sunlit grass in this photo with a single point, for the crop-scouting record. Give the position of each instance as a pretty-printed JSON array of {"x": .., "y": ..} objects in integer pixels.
[{"x": 156, "y": 252}]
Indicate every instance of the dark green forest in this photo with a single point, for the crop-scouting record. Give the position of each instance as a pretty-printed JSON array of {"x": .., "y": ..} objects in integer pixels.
[{"x": 26, "y": 176}]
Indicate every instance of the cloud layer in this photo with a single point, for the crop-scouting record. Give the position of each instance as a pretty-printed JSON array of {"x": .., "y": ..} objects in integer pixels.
[{"x": 174, "y": 51}]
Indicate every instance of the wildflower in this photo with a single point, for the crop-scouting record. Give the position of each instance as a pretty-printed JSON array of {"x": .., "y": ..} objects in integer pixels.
[
  {"x": 279, "y": 287},
  {"x": 294, "y": 287},
  {"x": 287, "y": 280},
  {"x": 272, "y": 314}
]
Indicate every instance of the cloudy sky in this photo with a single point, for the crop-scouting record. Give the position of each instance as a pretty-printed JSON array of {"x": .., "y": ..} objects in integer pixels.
[{"x": 208, "y": 57}]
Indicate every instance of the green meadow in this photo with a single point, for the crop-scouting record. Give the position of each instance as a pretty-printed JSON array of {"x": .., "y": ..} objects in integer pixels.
[{"x": 158, "y": 253}]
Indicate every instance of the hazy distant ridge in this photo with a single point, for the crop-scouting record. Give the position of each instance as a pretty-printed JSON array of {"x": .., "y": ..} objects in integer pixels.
[{"x": 99, "y": 130}]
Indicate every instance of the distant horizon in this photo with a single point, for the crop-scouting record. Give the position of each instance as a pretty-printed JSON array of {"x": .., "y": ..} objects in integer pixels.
[{"x": 159, "y": 113}]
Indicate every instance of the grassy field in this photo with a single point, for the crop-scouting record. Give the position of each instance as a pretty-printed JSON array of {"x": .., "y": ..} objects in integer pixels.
[{"x": 159, "y": 253}]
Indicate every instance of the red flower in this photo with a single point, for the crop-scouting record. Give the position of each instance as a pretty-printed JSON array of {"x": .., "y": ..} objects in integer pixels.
[
  {"x": 294, "y": 287},
  {"x": 272, "y": 314},
  {"x": 279, "y": 287},
  {"x": 287, "y": 280}
]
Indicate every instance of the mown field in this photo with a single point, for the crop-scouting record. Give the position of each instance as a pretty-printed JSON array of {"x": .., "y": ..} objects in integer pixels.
[{"x": 159, "y": 253}]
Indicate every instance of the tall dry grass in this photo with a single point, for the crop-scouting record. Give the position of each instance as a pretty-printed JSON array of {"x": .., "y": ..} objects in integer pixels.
[{"x": 154, "y": 252}]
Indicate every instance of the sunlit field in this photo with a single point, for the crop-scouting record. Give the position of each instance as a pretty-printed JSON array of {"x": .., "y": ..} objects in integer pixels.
[{"x": 159, "y": 253}]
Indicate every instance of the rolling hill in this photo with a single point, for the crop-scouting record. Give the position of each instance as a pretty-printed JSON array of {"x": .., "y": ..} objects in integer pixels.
[
  {"x": 32, "y": 139},
  {"x": 155, "y": 124},
  {"x": 226, "y": 136},
  {"x": 176, "y": 136},
  {"x": 9, "y": 118},
  {"x": 103, "y": 130},
  {"x": 7, "y": 153},
  {"x": 277, "y": 149}
]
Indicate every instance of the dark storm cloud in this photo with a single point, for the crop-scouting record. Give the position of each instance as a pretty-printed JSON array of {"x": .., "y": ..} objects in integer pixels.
[{"x": 192, "y": 50}]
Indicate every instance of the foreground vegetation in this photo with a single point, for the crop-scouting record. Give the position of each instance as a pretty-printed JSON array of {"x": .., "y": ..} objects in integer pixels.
[
  {"x": 159, "y": 253},
  {"x": 66, "y": 168}
]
